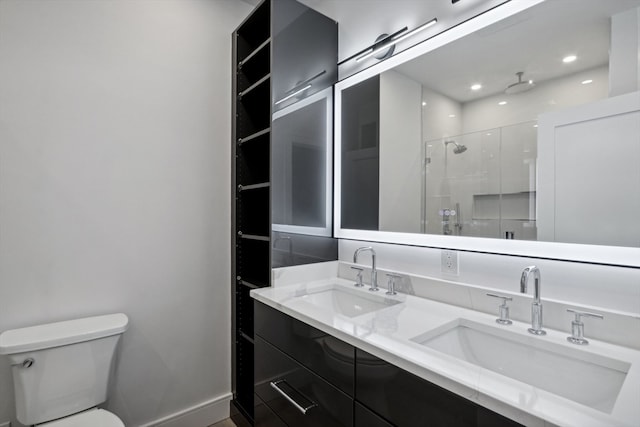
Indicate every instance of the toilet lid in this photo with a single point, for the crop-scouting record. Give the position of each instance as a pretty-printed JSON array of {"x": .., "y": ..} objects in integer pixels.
[{"x": 93, "y": 418}]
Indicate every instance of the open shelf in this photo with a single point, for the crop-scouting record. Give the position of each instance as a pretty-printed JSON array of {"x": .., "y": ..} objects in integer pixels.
[
  {"x": 253, "y": 263},
  {"x": 252, "y": 159},
  {"x": 244, "y": 312},
  {"x": 253, "y": 186},
  {"x": 248, "y": 284},
  {"x": 255, "y": 67},
  {"x": 254, "y": 31},
  {"x": 253, "y": 210},
  {"x": 255, "y": 136},
  {"x": 253, "y": 109}
]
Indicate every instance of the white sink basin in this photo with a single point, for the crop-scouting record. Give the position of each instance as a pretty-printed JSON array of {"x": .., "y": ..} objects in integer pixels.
[
  {"x": 575, "y": 374},
  {"x": 346, "y": 302}
]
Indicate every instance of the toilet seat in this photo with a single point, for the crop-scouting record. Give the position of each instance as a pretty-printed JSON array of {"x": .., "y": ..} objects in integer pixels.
[{"x": 93, "y": 417}]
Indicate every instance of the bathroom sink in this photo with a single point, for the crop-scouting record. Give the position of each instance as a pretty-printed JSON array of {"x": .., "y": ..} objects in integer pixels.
[
  {"x": 346, "y": 302},
  {"x": 574, "y": 374}
]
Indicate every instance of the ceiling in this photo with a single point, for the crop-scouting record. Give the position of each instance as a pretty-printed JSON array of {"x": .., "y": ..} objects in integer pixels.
[{"x": 534, "y": 41}]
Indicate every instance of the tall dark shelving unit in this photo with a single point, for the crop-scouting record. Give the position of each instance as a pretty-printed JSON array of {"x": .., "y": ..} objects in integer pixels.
[
  {"x": 281, "y": 46},
  {"x": 251, "y": 207}
]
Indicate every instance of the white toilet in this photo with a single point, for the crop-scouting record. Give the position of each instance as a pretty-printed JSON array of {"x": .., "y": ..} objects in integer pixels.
[{"x": 61, "y": 371}]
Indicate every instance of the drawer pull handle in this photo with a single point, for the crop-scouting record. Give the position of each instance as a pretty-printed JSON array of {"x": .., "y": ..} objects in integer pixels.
[{"x": 276, "y": 385}]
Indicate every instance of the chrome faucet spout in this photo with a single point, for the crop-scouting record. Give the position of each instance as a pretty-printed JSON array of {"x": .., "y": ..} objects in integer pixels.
[
  {"x": 536, "y": 305},
  {"x": 536, "y": 282},
  {"x": 374, "y": 272}
]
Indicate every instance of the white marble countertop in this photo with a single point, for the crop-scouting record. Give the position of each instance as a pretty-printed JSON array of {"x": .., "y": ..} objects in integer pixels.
[{"x": 387, "y": 334}]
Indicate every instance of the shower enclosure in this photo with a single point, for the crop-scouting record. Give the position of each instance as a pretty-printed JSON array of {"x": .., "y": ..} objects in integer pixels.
[{"x": 481, "y": 183}]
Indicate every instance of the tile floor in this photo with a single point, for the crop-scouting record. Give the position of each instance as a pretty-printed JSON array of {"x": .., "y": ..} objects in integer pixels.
[{"x": 224, "y": 423}]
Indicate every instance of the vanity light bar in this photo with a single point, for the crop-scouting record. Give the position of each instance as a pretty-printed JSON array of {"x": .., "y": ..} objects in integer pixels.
[
  {"x": 293, "y": 94},
  {"x": 396, "y": 39},
  {"x": 305, "y": 85}
]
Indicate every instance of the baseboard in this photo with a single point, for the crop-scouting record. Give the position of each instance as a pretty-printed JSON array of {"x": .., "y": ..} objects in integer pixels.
[{"x": 201, "y": 415}]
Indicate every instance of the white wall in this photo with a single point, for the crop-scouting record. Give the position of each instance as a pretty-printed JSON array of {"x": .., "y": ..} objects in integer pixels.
[
  {"x": 114, "y": 187},
  {"x": 441, "y": 115},
  {"x": 598, "y": 287},
  {"x": 400, "y": 153}
]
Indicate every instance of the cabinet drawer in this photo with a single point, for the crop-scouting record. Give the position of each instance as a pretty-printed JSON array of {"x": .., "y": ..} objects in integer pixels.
[
  {"x": 297, "y": 395},
  {"x": 327, "y": 356},
  {"x": 264, "y": 416},
  {"x": 404, "y": 399},
  {"x": 366, "y": 418}
]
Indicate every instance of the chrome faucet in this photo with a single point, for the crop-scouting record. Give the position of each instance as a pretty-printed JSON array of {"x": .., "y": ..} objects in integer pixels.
[
  {"x": 374, "y": 272},
  {"x": 536, "y": 305}
]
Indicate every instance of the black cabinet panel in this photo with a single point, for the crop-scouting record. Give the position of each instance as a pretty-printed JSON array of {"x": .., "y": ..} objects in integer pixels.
[
  {"x": 404, "y": 399},
  {"x": 244, "y": 373},
  {"x": 366, "y": 418},
  {"x": 264, "y": 416},
  {"x": 325, "y": 405},
  {"x": 407, "y": 400},
  {"x": 324, "y": 354},
  {"x": 487, "y": 418},
  {"x": 305, "y": 53}
]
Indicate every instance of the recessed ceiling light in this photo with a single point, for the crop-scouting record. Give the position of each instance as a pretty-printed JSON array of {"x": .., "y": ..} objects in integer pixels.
[
  {"x": 586, "y": 82},
  {"x": 452, "y": 115},
  {"x": 424, "y": 103},
  {"x": 502, "y": 103},
  {"x": 476, "y": 86},
  {"x": 535, "y": 126},
  {"x": 569, "y": 58}
]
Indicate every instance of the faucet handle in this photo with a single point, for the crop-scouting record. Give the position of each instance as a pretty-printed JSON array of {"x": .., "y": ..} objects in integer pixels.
[
  {"x": 577, "y": 326},
  {"x": 391, "y": 283},
  {"x": 358, "y": 283},
  {"x": 504, "y": 309}
]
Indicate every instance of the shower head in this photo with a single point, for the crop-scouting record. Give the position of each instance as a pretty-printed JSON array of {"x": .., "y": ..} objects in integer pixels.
[
  {"x": 519, "y": 86},
  {"x": 459, "y": 148}
]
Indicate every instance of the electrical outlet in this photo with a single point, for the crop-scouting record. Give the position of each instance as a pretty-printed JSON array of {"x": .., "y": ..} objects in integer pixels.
[{"x": 450, "y": 262}]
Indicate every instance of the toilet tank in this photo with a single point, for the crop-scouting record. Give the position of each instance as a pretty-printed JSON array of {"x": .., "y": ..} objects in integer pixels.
[{"x": 62, "y": 368}]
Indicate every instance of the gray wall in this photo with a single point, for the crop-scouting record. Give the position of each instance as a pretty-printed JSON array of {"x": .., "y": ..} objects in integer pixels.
[{"x": 114, "y": 186}]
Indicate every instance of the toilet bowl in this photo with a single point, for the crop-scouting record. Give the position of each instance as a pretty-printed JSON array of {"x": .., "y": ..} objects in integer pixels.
[{"x": 61, "y": 371}]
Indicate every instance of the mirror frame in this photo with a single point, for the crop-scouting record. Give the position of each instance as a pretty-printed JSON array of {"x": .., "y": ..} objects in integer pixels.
[{"x": 596, "y": 254}]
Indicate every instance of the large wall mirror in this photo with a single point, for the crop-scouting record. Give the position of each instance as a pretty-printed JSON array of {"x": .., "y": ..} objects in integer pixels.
[{"x": 517, "y": 132}]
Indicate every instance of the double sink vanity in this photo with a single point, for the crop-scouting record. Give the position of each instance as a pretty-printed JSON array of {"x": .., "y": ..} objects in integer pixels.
[
  {"x": 378, "y": 359},
  {"x": 428, "y": 151}
]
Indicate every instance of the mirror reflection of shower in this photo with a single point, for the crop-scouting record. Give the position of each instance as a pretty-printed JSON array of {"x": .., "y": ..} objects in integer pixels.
[
  {"x": 459, "y": 148},
  {"x": 485, "y": 192}
]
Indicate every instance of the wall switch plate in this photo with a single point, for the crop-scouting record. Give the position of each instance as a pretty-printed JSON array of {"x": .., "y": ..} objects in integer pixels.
[{"x": 450, "y": 262}]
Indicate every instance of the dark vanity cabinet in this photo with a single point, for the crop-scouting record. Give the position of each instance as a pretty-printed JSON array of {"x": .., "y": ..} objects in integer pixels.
[
  {"x": 305, "y": 376},
  {"x": 283, "y": 52},
  {"x": 404, "y": 399},
  {"x": 302, "y": 369}
]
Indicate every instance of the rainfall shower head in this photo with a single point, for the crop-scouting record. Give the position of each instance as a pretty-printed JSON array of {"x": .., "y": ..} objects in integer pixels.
[
  {"x": 519, "y": 86},
  {"x": 459, "y": 148}
]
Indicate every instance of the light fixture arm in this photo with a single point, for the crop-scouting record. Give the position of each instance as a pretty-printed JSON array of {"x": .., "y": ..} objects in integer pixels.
[{"x": 388, "y": 41}]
